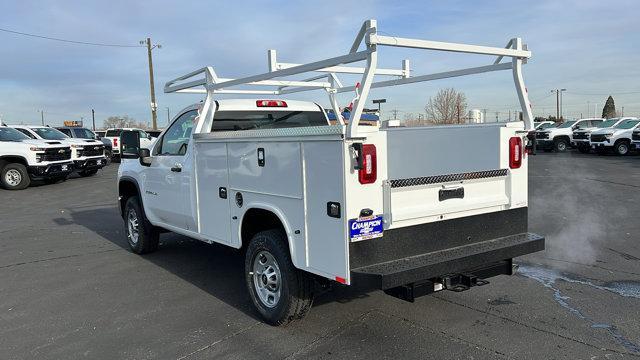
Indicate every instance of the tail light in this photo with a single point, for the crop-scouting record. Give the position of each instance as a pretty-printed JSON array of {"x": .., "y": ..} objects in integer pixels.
[
  {"x": 515, "y": 152},
  {"x": 368, "y": 173},
  {"x": 271, "y": 103},
  {"x": 115, "y": 142}
]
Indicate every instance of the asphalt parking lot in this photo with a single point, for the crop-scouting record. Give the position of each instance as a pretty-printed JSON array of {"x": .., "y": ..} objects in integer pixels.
[{"x": 69, "y": 288}]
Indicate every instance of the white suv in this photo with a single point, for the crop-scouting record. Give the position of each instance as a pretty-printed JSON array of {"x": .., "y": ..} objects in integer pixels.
[
  {"x": 616, "y": 138},
  {"x": 87, "y": 154},
  {"x": 23, "y": 159},
  {"x": 560, "y": 138}
]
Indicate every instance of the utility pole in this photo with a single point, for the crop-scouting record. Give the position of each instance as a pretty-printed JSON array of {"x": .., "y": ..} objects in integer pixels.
[
  {"x": 622, "y": 111},
  {"x": 395, "y": 114},
  {"x": 42, "y": 116},
  {"x": 154, "y": 106},
  {"x": 93, "y": 118},
  {"x": 558, "y": 102}
]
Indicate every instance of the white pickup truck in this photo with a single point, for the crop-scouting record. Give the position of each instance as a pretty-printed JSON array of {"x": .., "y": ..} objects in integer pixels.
[
  {"x": 616, "y": 138},
  {"x": 23, "y": 159},
  {"x": 318, "y": 203},
  {"x": 87, "y": 154},
  {"x": 560, "y": 137}
]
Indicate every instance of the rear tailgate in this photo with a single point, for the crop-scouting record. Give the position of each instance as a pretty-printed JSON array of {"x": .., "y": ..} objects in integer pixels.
[
  {"x": 453, "y": 202},
  {"x": 444, "y": 172}
]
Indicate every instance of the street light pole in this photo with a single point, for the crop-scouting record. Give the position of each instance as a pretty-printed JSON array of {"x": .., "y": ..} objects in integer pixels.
[
  {"x": 42, "y": 116},
  {"x": 154, "y": 106},
  {"x": 168, "y": 117},
  {"x": 93, "y": 118}
]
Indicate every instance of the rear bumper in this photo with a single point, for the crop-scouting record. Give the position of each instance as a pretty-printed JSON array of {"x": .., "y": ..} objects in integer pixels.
[
  {"x": 481, "y": 259},
  {"x": 422, "y": 252},
  {"x": 51, "y": 170}
]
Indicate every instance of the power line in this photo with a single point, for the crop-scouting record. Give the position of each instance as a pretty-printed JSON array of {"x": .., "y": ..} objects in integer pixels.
[
  {"x": 605, "y": 94},
  {"x": 69, "y": 41}
]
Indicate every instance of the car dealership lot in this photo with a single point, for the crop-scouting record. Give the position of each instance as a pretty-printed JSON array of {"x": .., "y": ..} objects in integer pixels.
[{"x": 70, "y": 288}]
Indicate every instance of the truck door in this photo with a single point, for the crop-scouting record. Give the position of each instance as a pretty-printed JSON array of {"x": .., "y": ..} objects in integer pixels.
[{"x": 165, "y": 186}]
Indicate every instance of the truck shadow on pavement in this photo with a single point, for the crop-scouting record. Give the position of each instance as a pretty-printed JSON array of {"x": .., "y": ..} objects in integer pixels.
[{"x": 214, "y": 268}]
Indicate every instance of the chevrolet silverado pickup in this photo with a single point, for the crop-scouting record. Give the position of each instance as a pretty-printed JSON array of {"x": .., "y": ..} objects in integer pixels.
[
  {"x": 23, "y": 159},
  {"x": 314, "y": 203}
]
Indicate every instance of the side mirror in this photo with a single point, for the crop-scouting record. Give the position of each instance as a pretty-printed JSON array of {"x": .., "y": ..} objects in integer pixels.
[
  {"x": 149, "y": 137},
  {"x": 129, "y": 144},
  {"x": 145, "y": 157}
]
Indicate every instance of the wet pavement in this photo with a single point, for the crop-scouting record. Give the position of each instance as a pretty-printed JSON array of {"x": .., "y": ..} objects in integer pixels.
[{"x": 69, "y": 288}]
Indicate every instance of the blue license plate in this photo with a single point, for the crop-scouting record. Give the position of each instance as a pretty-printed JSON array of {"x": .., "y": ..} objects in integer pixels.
[{"x": 366, "y": 228}]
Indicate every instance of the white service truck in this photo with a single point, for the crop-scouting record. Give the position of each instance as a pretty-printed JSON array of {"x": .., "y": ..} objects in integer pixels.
[
  {"x": 87, "y": 154},
  {"x": 616, "y": 138},
  {"x": 635, "y": 139},
  {"x": 23, "y": 159},
  {"x": 314, "y": 203}
]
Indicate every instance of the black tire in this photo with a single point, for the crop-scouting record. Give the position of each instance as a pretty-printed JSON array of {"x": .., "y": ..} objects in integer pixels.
[
  {"x": 560, "y": 145},
  {"x": 584, "y": 149},
  {"x": 295, "y": 286},
  {"x": 148, "y": 236},
  {"x": 15, "y": 176},
  {"x": 621, "y": 147},
  {"x": 86, "y": 173}
]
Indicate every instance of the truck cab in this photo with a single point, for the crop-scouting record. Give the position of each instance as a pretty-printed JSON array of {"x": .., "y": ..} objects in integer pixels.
[
  {"x": 23, "y": 159},
  {"x": 560, "y": 138},
  {"x": 616, "y": 138},
  {"x": 87, "y": 154}
]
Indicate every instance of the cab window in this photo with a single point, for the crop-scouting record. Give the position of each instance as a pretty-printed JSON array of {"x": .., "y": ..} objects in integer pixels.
[
  {"x": 176, "y": 138},
  {"x": 65, "y": 131}
]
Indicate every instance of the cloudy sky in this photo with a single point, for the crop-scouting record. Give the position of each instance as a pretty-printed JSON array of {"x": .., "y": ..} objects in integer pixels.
[{"x": 591, "y": 48}]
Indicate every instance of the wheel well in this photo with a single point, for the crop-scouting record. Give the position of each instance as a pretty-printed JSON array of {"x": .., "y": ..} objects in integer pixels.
[
  {"x": 621, "y": 140},
  {"x": 126, "y": 189},
  {"x": 12, "y": 159},
  {"x": 257, "y": 220}
]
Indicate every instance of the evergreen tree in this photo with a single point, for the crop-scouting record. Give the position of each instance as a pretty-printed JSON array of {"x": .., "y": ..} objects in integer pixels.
[{"x": 609, "y": 109}]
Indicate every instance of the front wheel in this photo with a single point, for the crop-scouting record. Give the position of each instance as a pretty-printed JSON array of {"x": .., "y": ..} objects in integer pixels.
[
  {"x": 86, "y": 173},
  {"x": 622, "y": 148},
  {"x": 280, "y": 292},
  {"x": 560, "y": 145},
  {"x": 15, "y": 177},
  {"x": 142, "y": 236}
]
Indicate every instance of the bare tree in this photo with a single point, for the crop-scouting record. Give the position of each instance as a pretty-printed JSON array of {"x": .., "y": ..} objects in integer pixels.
[
  {"x": 448, "y": 106},
  {"x": 123, "y": 122}
]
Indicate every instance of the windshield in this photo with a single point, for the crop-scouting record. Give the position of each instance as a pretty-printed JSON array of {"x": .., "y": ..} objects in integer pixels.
[
  {"x": 10, "y": 134},
  {"x": 245, "y": 120},
  {"x": 566, "y": 124},
  {"x": 49, "y": 133},
  {"x": 546, "y": 126},
  {"x": 607, "y": 123},
  {"x": 627, "y": 124},
  {"x": 83, "y": 133}
]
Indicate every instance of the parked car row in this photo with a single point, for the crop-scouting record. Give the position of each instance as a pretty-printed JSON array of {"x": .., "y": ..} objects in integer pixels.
[
  {"x": 619, "y": 135},
  {"x": 35, "y": 152}
]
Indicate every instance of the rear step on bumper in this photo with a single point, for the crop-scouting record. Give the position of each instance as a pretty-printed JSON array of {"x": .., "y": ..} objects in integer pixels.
[{"x": 456, "y": 268}]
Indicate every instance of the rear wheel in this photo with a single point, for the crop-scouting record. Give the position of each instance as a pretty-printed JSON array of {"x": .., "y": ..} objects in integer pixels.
[
  {"x": 560, "y": 145},
  {"x": 15, "y": 177},
  {"x": 280, "y": 292},
  {"x": 142, "y": 236},
  {"x": 622, "y": 147}
]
